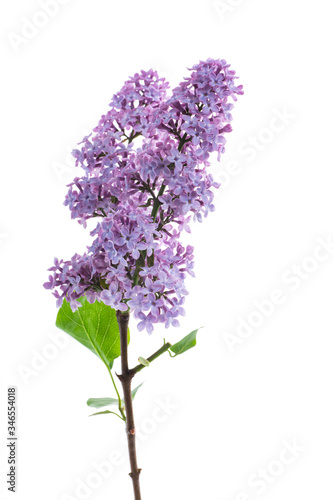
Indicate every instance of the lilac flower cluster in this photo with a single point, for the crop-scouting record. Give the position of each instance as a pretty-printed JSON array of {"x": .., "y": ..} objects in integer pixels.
[{"x": 145, "y": 197}]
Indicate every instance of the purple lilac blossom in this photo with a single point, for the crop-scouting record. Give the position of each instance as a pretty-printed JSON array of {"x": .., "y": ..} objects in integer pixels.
[{"x": 145, "y": 197}]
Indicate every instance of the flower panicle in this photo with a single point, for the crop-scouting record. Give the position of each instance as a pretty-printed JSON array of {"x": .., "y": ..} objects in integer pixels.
[{"x": 145, "y": 196}]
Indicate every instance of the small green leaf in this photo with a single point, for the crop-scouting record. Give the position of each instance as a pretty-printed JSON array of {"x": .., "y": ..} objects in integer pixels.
[
  {"x": 185, "y": 344},
  {"x": 143, "y": 361},
  {"x": 104, "y": 412},
  {"x": 93, "y": 325},
  {"x": 100, "y": 402},
  {"x": 136, "y": 390},
  {"x": 101, "y": 413}
]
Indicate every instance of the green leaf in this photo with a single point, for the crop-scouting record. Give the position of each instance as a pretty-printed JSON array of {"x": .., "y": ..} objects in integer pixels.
[
  {"x": 93, "y": 325},
  {"x": 185, "y": 344},
  {"x": 143, "y": 361},
  {"x": 104, "y": 412},
  {"x": 136, "y": 390},
  {"x": 100, "y": 402}
]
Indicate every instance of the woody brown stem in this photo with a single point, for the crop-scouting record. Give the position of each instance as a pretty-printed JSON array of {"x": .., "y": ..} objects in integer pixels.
[{"x": 126, "y": 381}]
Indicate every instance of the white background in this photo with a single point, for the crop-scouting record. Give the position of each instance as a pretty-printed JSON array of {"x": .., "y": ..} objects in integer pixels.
[{"x": 232, "y": 407}]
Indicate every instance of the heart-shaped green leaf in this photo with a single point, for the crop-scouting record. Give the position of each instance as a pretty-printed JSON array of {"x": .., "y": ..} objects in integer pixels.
[
  {"x": 93, "y": 325},
  {"x": 185, "y": 344}
]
